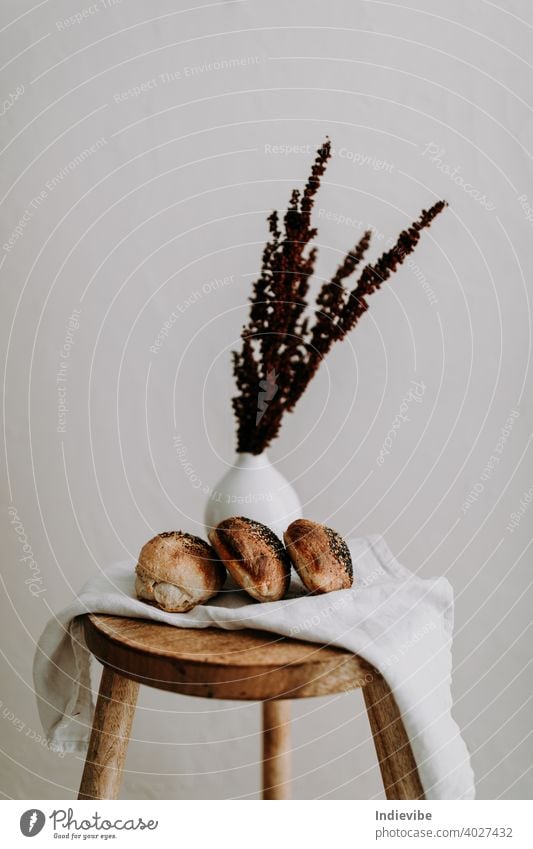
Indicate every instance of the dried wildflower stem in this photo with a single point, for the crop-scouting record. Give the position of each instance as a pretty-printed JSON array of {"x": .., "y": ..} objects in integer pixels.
[{"x": 280, "y": 351}]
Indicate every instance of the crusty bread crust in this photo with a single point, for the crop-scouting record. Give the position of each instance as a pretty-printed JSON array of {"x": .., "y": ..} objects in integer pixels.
[
  {"x": 254, "y": 556},
  {"x": 320, "y": 556},
  {"x": 177, "y": 571}
]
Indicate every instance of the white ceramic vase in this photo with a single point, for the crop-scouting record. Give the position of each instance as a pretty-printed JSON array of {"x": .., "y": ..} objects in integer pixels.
[{"x": 254, "y": 488}]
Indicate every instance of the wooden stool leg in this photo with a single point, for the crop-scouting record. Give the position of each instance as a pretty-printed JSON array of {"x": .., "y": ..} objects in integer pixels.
[
  {"x": 276, "y": 746},
  {"x": 396, "y": 761},
  {"x": 110, "y": 736}
]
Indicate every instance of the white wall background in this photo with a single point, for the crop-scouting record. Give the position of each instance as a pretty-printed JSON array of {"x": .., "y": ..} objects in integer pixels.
[{"x": 175, "y": 195}]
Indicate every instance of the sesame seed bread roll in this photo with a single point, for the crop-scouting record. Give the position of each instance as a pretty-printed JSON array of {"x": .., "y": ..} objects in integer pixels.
[
  {"x": 319, "y": 555},
  {"x": 254, "y": 556},
  {"x": 176, "y": 571}
]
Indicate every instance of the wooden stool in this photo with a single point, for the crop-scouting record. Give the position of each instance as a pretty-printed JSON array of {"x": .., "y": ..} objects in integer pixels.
[{"x": 218, "y": 664}]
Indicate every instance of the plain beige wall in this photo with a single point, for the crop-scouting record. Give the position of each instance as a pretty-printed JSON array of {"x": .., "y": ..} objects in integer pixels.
[{"x": 179, "y": 172}]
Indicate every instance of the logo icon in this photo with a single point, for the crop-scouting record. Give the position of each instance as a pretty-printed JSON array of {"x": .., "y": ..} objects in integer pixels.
[
  {"x": 32, "y": 822},
  {"x": 268, "y": 388}
]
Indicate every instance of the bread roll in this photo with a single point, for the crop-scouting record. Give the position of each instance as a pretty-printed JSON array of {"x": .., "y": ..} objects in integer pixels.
[
  {"x": 176, "y": 571},
  {"x": 254, "y": 557},
  {"x": 319, "y": 555}
]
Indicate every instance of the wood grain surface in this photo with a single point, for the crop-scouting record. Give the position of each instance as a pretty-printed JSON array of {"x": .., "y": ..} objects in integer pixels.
[
  {"x": 276, "y": 749},
  {"x": 110, "y": 736},
  {"x": 243, "y": 664},
  {"x": 211, "y": 662},
  {"x": 397, "y": 764}
]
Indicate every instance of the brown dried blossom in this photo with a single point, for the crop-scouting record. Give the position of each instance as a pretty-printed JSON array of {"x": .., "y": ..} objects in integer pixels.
[{"x": 277, "y": 342}]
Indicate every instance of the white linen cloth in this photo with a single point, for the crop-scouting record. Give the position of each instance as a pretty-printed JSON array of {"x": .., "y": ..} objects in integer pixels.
[{"x": 400, "y": 623}]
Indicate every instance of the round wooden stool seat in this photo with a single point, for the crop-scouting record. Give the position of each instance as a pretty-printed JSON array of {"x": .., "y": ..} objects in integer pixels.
[
  {"x": 213, "y": 663},
  {"x": 243, "y": 664}
]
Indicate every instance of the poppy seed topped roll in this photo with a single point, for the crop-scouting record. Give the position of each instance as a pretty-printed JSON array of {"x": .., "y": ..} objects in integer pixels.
[
  {"x": 319, "y": 555},
  {"x": 176, "y": 571},
  {"x": 254, "y": 556}
]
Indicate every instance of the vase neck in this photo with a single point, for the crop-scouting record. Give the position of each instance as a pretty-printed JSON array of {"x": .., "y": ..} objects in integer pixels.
[{"x": 245, "y": 460}]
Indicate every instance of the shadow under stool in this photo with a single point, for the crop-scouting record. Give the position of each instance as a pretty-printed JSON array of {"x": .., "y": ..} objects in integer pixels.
[{"x": 235, "y": 665}]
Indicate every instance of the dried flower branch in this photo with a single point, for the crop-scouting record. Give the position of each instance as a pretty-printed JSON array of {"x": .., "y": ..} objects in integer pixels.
[{"x": 278, "y": 342}]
